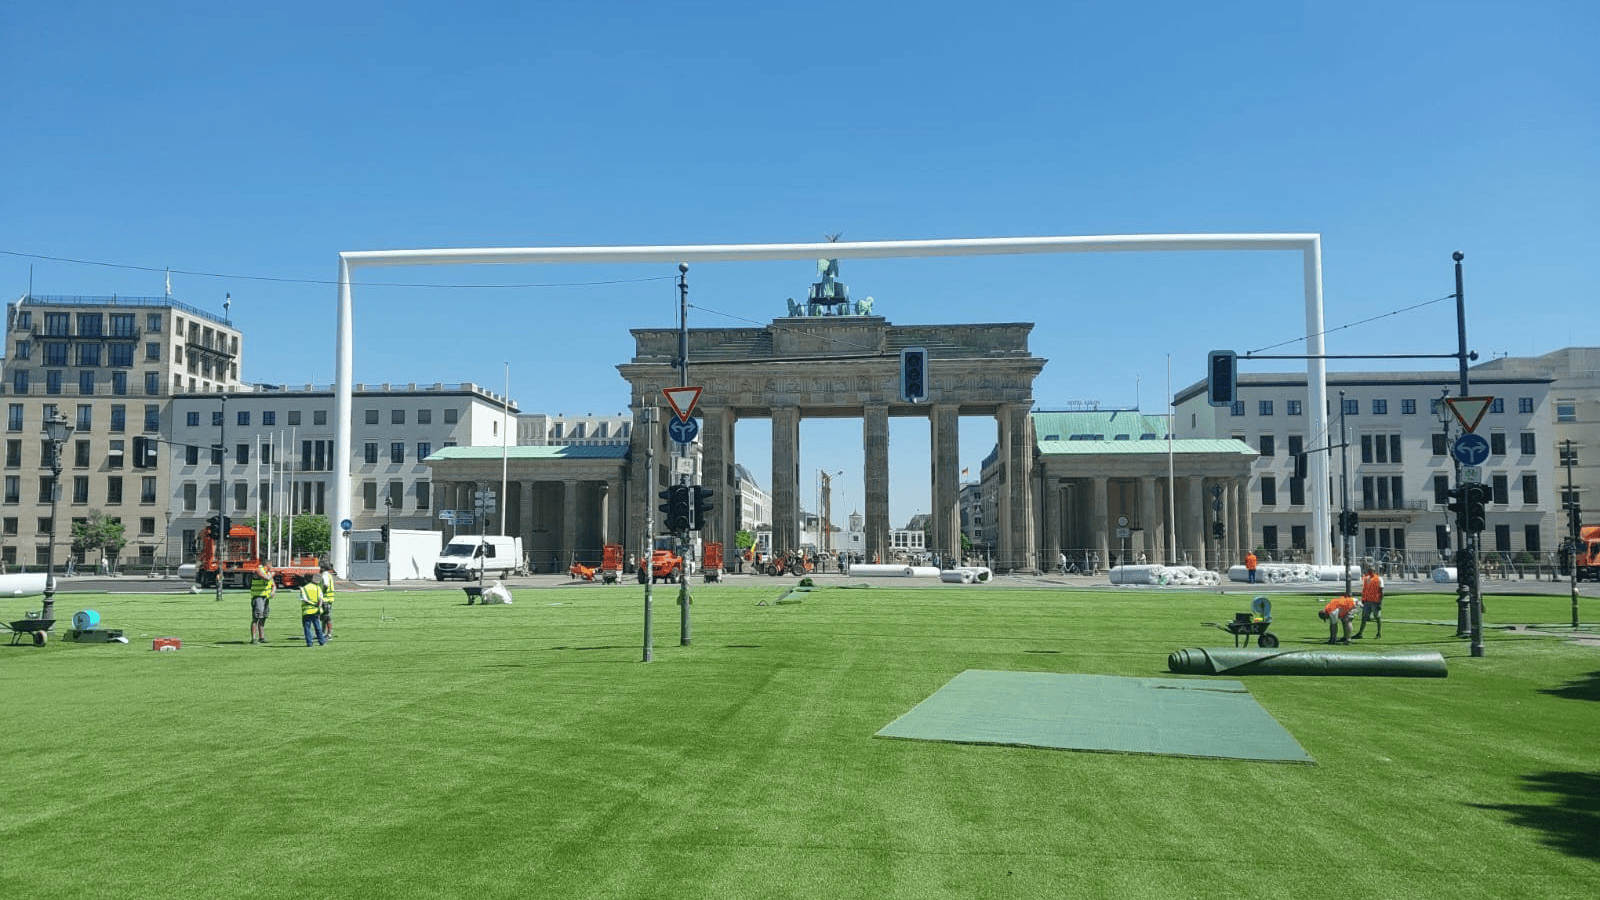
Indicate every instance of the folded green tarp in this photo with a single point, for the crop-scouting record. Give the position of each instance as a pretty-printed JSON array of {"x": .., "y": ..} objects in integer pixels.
[{"x": 1255, "y": 661}]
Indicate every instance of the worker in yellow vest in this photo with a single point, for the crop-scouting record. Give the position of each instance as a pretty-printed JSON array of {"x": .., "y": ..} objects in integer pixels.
[
  {"x": 311, "y": 611},
  {"x": 261, "y": 591},
  {"x": 325, "y": 581}
]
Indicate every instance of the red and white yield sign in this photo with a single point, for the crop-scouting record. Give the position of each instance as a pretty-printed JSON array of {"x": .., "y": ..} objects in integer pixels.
[
  {"x": 682, "y": 400},
  {"x": 1468, "y": 410}
]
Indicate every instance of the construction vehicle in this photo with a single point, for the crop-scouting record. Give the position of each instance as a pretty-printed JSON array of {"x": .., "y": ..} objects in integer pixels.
[
  {"x": 711, "y": 562},
  {"x": 665, "y": 564},
  {"x": 1588, "y": 557},
  {"x": 238, "y": 558},
  {"x": 610, "y": 563}
]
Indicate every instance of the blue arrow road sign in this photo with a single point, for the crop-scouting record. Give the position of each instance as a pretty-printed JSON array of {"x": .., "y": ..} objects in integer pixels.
[
  {"x": 1471, "y": 449},
  {"x": 684, "y": 431}
]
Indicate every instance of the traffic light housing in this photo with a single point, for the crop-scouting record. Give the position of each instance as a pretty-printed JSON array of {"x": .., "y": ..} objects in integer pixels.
[
  {"x": 1477, "y": 495},
  {"x": 677, "y": 508},
  {"x": 1466, "y": 567},
  {"x": 913, "y": 374},
  {"x": 144, "y": 452},
  {"x": 701, "y": 501},
  {"x": 385, "y": 531},
  {"x": 1222, "y": 377},
  {"x": 1458, "y": 505},
  {"x": 1352, "y": 525},
  {"x": 217, "y": 526},
  {"x": 1217, "y": 531},
  {"x": 1300, "y": 464}
]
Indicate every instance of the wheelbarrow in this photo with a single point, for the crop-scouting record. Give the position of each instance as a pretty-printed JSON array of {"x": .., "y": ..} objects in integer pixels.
[
  {"x": 1252, "y": 624},
  {"x": 39, "y": 628}
]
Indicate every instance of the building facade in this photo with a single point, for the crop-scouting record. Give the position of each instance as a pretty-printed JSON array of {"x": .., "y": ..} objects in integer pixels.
[{"x": 110, "y": 365}]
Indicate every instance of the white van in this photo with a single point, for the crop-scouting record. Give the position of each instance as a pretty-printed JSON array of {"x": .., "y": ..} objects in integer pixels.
[{"x": 468, "y": 556}]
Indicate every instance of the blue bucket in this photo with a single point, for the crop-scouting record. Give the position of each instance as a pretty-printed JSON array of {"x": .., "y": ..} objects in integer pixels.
[{"x": 83, "y": 620}]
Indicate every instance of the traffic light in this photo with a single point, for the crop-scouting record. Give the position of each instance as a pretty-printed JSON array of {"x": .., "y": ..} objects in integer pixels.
[
  {"x": 1466, "y": 567},
  {"x": 217, "y": 526},
  {"x": 144, "y": 452},
  {"x": 1222, "y": 377},
  {"x": 677, "y": 509},
  {"x": 385, "y": 531},
  {"x": 913, "y": 374},
  {"x": 1352, "y": 525},
  {"x": 1476, "y": 495},
  {"x": 1458, "y": 505},
  {"x": 702, "y": 505},
  {"x": 1217, "y": 531},
  {"x": 1300, "y": 462}
]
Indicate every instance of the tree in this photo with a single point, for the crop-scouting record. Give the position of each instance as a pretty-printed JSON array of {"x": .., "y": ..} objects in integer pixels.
[
  {"x": 98, "y": 533},
  {"x": 744, "y": 540},
  {"x": 312, "y": 535}
]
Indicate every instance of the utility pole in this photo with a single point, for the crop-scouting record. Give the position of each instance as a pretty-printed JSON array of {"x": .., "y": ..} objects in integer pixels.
[
  {"x": 683, "y": 452},
  {"x": 1574, "y": 527},
  {"x": 1344, "y": 502},
  {"x": 1470, "y": 537},
  {"x": 647, "y": 569}
]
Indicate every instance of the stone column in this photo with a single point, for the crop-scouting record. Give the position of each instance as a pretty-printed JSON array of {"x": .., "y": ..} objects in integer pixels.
[
  {"x": 525, "y": 527},
  {"x": 1247, "y": 538},
  {"x": 1052, "y": 522},
  {"x": 641, "y": 500},
  {"x": 1148, "y": 517},
  {"x": 603, "y": 489},
  {"x": 1101, "y": 512},
  {"x": 1195, "y": 533},
  {"x": 1016, "y": 526},
  {"x": 785, "y": 478},
  {"x": 945, "y": 454},
  {"x": 569, "y": 522},
  {"x": 875, "y": 443},
  {"x": 715, "y": 466}
]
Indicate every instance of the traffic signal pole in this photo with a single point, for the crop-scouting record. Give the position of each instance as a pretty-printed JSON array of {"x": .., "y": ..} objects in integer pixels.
[
  {"x": 1345, "y": 525},
  {"x": 1469, "y": 536},
  {"x": 683, "y": 453}
]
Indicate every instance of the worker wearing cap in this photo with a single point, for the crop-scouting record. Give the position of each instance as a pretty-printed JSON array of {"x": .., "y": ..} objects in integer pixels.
[
  {"x": 261, "y": 591},
  {"x": 311, "y": 611},
  {"x": 1340, "y": 609},
  {"x": 325, "y": 581}
]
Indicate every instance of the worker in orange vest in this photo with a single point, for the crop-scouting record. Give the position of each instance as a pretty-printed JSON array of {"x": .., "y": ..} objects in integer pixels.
[{"x": 1340, "y": 609}]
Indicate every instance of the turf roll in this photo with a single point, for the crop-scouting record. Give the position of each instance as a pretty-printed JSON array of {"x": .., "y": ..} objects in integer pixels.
[{"x": 1255, "y": 661}]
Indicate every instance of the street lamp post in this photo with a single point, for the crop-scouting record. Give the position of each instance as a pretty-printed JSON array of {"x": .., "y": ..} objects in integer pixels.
[
  {"x": 388, "y": 560},
  {"x": 56, "y": 430}
]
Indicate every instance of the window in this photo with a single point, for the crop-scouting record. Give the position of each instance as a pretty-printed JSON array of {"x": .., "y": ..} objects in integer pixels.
[
  {"x": 1502, "y": 538},
  {"x": 243, "y": 417},
  {"x": 241, "y": 454},
  {"x": 1529, "y": 443},
  {"x": 152, "y": 383},
  {"x": 85, "y": 418},
  {"x": 121, "y": 324},
  {"x": 1268, "y": 446},
  {"x": 89, "y": 325},
  {"x": 1525, "y": 405},
  {"x": 1566, "y": 410},
  {"x": 266, "y": 453},
  {"x": 1498, "y": 405},
  {"x": 1441, "y": 489},
  {"x": 1530, "y": 538},
  {"x": 1530, "y": 489},
  {"x": 1237, "y": 409},
  {"x": 1352, "y": 407},
  {"x": 114, "y": 453},
  {"x": 152, "y": 321},
  {"x": 24, "y": 349},
  {"x": 1263, "y": 407},
  {"x": 1269, "y": 537},
  {"x": 1380, "y": 407},
  {"x": 1269, "y": 490},
  {"x": 1293, "y": 408},
  {"x": 397, "y": 452},
  {"x": 1497, "y": 443},
  {"x": 86, "y": 384},
  {"x": 80, "y": 454},
  {"x": 114, "y": 490},
  {"x": 13, "y": 454},
  {"x": 14, "y": 417},
  {"x": 19, "y": 381},
  {"x": 152, "y": 417},
  {"x": 52, "y": 382},
  {"x": 451, "y": 415},
  {"x": 1297, "y": 495},
  {"x": 191, "y": 419},
  {"x": 55, "y": 353},
  {"x": 422, "y": 495},
  {"x": 216, "y": 454},
  {"x": 369, "y": 495},
  {"x": 9, "y": 525},
  {"x": 1502, "y": 491},
  {"x": 152, "y": 351},
  {"x": 1569, "y": 453},
  {"x": 372, "y": 453},
  {"x": 294, "y": 417},
  {"x": 1408, "y": 407},
  {"x": 80, "y": 489},
  {"x": 397, "y": 417},
  {"x": 25, "y": 320},
  {"x": 372, "y": 417},
  {"x": 119, "y": 383},
  {"x": 319, "y": 417},
  {"x": 147, "y": 525},
  {"x": 241, "y": 495},
  {"x": 1297, "y": 537},
  {"x": 88, "y": 355},
  {"x": 13, "y": 488},
  {"x": 424, "y": 417},
  {"x": 268, "y": 417},
  {"x": 424, "y": 450},
  {"x": 1439, "y": 444},
  {"x": 397, "y": 494},
  {"x": 191, "y": 455},
  {"x": 147, "y": 489},
  {"x": 56, "y": 324}
]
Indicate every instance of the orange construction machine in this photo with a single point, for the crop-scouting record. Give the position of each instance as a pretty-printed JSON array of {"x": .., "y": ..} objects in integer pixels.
[
  {"x": 238, "y": 557},
  {"x": 1588, "y": 559},
  {"x": 611, "y": 563}
]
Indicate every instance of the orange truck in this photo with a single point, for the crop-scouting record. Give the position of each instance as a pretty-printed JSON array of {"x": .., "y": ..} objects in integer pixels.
[
  {"x": 238, "y": 557},
  {"x": 1588, "y": 558}
]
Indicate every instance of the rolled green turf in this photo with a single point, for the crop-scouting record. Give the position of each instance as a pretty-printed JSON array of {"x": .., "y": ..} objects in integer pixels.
[{"x": 1255, "y": 661}]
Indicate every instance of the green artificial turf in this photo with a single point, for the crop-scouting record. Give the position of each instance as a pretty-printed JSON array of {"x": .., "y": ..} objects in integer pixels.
[{"x": 436, "y": 750}]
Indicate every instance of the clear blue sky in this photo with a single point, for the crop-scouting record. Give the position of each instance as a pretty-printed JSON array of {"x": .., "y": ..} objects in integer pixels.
[{"x": 257, "y": 142}]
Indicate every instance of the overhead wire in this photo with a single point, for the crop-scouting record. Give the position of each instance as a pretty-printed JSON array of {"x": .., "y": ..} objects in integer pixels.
[{"x": 1393, "y": 312}]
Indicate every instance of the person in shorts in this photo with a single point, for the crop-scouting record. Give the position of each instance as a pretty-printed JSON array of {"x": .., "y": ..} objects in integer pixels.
[
  {"x": 325, "y": 581},
  {"x": 1340, "y": 610},
  {"x": 261, "y": 590}
]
